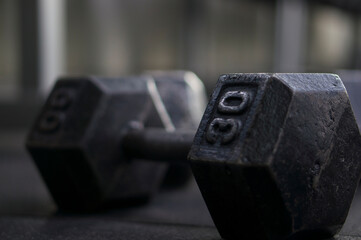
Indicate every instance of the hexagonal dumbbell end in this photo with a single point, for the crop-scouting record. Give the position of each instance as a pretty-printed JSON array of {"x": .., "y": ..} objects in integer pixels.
[
  {"x": 277, "y": 156},
  {"x": 75, "y": 142}
]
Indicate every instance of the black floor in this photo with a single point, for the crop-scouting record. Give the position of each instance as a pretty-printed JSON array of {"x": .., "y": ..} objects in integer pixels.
[{"x": 27, "y": 212}]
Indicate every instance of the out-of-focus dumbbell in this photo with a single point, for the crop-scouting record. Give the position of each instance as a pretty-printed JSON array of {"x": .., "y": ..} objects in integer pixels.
[
  {"x": 184, "y": 98},
  {"x": 76, "y": 138}
]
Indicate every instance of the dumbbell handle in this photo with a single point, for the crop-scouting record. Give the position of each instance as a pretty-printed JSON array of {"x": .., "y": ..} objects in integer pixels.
[{"x": 158, "y": 144}]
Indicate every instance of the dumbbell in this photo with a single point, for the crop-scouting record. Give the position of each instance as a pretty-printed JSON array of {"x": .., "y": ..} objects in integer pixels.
[
  {"x": 276, "y": 156},
  {"x": 76, "y": 138}
]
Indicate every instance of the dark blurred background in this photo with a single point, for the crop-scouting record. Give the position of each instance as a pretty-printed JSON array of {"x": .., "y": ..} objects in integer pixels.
[{"x": 43, "y": 39}]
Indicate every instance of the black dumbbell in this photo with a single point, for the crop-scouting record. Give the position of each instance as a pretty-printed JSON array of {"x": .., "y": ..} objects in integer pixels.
[
  {"x": 76, "y": 139},
  {"x": 276, "y": 156}
]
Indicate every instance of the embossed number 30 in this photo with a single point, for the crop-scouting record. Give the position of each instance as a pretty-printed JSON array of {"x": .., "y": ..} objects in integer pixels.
[
  {"x": 225, "y": 130},
  {"x": 241, "y": 97}
]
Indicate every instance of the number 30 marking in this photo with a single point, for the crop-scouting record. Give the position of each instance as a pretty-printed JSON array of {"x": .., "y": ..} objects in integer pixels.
[
  {"x": 242, "y": 97},
  {"x": 223, "y": 130}
]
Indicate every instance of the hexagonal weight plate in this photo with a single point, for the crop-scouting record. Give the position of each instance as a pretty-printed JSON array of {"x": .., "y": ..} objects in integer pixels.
[
  {"x": 277, "y": 156},
  {"x": 79, "y": 116}
]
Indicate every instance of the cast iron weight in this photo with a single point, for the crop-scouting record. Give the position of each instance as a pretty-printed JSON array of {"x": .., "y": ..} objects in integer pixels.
[
  {"x": 77, "y": 137},
  {"x": 276, "y": 156}
]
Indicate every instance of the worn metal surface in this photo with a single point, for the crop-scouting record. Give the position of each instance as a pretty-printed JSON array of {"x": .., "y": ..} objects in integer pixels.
[{"x": 280, "y": 158}]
